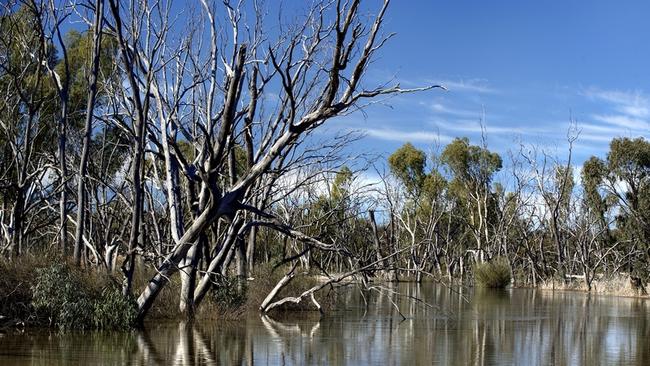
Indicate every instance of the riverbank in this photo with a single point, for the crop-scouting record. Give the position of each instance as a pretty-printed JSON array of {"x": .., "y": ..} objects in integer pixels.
[
  {"x": 46, "y": 291},
  {"x": 614, "y": 285},
  {"x": 490, "y": 327}
]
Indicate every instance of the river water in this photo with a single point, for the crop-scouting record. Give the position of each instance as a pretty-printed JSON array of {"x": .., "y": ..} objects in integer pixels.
[{"x": 456, "y": 327}]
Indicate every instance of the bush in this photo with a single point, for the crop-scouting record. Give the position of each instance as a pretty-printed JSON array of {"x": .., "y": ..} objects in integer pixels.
[
  {"x": 60, "y": 296},
  {"x": 494, "y": 274},
  {"x": 229, "y": 295},
  {"x": 114, "y": 311},
  {"x": 16, "y": 280},
  {"x": 71, "y": 301}
]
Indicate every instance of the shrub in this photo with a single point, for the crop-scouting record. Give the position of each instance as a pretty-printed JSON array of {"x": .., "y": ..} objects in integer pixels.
[
  {"x": 494, "y": 274},
  {"x": 60, "y": 296},
  {"x": 114, "y": 311},
  {"x": 71, "y": 301},
  {"x": 16, "y": 280},
  {"x": 229, "y": 293}
]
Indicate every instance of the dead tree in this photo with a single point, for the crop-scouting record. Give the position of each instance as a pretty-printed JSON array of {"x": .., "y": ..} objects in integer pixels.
[
  {"x": 88, "y": 130},
  {"x": 313, "y": 88}
]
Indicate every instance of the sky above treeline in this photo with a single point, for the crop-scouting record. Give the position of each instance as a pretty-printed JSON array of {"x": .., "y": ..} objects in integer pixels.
[{"x": 525, "y": 68}]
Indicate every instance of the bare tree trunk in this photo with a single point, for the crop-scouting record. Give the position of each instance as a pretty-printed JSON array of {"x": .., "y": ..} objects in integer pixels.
[
  {"x": 62, "y": 85},
  {"x": 139, "y": 121},
  {"x": 250, "y": 248},
  {"x": 188, "y": 270},
  {"x": 188, "y": 265},
  {"x": 63, "y": 214},
  {"x": 375, "y": 238},
  {"x": 17, "y": 218},
  {"x": 83, "y": 162},
  {"x": 136, "y": 214},
  {"x": 216, "y": 264}
]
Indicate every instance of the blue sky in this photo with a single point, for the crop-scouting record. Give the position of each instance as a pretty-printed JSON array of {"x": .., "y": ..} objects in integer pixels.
[{"x": 528, "y": 66}]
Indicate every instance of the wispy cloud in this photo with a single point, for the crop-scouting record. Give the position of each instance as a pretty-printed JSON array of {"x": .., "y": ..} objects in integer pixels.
[
  {"x": 628, "y": 114},
  {"x": 631, "y": 109},
  {"x": 470, "y": 126},
  {"x": 631, "y": 103},
  {"x": 389, "y": 134},
  {"x": 623, "y": 121},
  {"x": 467, "y": 85},
  {"x": 440, "y": 108}
]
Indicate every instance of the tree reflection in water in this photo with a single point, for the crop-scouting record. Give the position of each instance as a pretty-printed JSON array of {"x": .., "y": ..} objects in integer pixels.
[{"x": 524, "y": 327}]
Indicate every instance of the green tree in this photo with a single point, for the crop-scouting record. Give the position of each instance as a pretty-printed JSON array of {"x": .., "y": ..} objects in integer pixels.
[
  {"x": 593, "y": 174},
  {"x": 473, "y": 168},
  {"x": 628, "y": 165},
  {"x": 407, "y": 164}
]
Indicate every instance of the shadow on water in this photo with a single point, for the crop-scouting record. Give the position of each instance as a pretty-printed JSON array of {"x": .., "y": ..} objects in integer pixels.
[{"x": 520, "y": 326}]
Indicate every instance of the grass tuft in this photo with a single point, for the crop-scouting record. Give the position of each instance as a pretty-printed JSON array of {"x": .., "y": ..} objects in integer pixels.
[{"x": 493, "y": 274}]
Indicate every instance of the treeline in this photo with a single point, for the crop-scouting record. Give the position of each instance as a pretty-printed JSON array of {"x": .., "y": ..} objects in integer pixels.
[
  {"x": 465, "y": 205},
  {"x": 135, "y": 143}
]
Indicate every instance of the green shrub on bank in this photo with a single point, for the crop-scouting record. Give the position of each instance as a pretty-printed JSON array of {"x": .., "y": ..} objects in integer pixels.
[
  {"x": 114, "y": 311},
  {"x": 61, "y": 294},
  {"x": 493, "y": 274},
  {"x": 229, "y": 295},
  {"x": 58, "y": 295}
]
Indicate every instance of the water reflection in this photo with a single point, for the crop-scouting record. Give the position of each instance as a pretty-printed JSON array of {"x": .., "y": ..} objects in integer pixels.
[{"x": 523, "y": 327}]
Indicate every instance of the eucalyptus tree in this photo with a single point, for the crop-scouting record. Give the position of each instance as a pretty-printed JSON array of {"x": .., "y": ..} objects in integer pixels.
[
  {"x": 297, "y": 80},
  {"x": 94, "y": 70},
  {"x": 27, "y": 114},
  {"x": 555, "y": 185},
  {"x": 472, "y": 169},
  {"x": 424, "y": 205},
  {"x": 627, "y": 181},
  {"x": 408, "y": 164}
]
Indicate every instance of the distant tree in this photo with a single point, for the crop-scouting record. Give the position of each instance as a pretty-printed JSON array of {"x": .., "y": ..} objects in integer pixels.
[{"x": 472, "y": 169}]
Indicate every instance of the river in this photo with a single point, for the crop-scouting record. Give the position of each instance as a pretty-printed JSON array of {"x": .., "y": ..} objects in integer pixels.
[{"x": 456, "y": 327}]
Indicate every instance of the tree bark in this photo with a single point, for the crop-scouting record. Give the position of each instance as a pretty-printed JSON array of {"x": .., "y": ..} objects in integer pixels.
[
  {"x": 83, "y": 162},
  {"x": 139, "y": 121}
]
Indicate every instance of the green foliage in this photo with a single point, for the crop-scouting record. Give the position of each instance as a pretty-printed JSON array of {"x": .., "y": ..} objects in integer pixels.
[
  {"x": 79, "y": 49},
  {"x": 230, "y": 293},
  {"x": 61, "y": 294},
  {"x": 341, "y": 184},
  {"x": 564, "y": 183},
  {"x": 629, "y": 159},
  {"x": 472, "y": 165},
  {"x": 434, "y": 184},
  {"x": 593, "y": 174},
  {"x": 493, "y": 274},
  {"x": 407, "y": 164},
  {"x": 58, "y": 294},
  {"x": 628, "y": 163},
  {"x": 114, "y": 311}
]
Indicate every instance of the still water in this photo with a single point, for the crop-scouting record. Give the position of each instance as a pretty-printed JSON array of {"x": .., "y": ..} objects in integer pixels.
[{"x": 463, "y": 327}]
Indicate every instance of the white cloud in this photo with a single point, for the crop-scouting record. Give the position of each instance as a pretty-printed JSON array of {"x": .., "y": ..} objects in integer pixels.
[
  {"x": 636, "y": 110},
  {"x": 631, "y": 110},
  {"x": 632, "y": 103},
  {"x": 389, "y": 134},
  {"x": 467, "y": 85},
  {"x": 470, "y": 126},
  {"x": 623, "y": 121},
  {"x": 602, "y": 133},
  {"x": 442, "y": 109}
]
